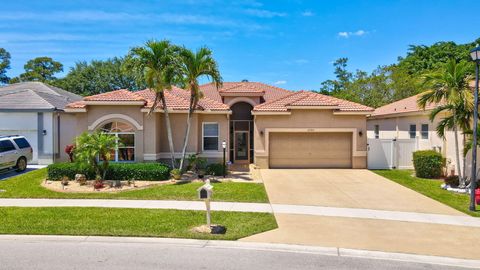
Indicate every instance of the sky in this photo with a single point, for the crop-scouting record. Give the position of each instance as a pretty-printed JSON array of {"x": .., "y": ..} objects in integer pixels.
[{"x": 290, "y": 44}]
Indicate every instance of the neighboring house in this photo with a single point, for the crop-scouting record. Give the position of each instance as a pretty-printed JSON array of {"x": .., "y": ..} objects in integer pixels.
[
  {"x": 261, "y": 124},
  {"x": 35, "y": 110},
  {"x": 404, "y": 121}
]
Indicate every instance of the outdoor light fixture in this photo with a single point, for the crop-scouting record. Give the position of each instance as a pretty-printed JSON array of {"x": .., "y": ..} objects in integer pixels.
[
  {"x": 224, "y": 144},
  {"x": 360, "y": 133},
  {"x": 475, "y": 54}
]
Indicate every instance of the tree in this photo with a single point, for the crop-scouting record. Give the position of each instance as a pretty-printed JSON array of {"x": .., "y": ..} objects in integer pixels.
[
  {"x": 4, "y": 65},
  {"x": 193, "y": 66},
  {"x": 157, "y": 61},
  {"x": 91, "y": 148},
  {"x": 450, "y": 85},
  {"x": 39, "y": 69},
  {"x": 101, "y": 76}
]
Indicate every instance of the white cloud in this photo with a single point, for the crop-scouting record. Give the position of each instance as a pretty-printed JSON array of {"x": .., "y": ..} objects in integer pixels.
[
  {"x": 280, "y": 82},
  {"x": 357, "y": 33},
  {"x": 263, "y": 13},
  {"x": 307, "y": 13}
]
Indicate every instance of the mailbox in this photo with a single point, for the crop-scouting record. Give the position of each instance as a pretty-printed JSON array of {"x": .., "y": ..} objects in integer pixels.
[{"x": 205, "y": 192}]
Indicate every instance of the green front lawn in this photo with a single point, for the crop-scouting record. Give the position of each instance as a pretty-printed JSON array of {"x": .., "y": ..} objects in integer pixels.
[
  {"x": 129, "y": 222},
  {"x": 430, "y": 188},
  {"x": 28, "y": 186}
]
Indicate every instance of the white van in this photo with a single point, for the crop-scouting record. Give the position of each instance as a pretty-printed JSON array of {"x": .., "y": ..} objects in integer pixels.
[{"x": 15, "y": 152}]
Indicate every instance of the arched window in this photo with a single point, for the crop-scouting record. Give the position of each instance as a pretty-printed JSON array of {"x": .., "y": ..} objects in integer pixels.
[{"x": 125, "y": 135}]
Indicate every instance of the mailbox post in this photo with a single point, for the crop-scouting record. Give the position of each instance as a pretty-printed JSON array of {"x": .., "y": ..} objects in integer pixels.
[{"x": 205, "y": 193}]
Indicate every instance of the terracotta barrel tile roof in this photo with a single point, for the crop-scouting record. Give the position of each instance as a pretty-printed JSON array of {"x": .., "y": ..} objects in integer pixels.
[
  {"x": 307, "y": 98},
  {"x": 269, "y": 92},
  {"x": 117, "y": 95},
  {"x": 405, "y": 105}
]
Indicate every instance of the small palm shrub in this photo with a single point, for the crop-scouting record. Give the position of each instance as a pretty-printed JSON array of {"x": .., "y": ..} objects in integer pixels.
[{"x": 428, "y": 164}]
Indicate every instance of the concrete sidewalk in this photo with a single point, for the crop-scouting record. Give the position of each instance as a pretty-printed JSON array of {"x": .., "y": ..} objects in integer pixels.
[{"x": 253, "y": 207}]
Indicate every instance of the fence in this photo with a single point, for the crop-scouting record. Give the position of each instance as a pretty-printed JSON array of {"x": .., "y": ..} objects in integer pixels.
[{"x": 391, "y": 153}]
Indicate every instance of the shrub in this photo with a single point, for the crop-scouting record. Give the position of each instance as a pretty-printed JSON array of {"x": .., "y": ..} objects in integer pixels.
[
  {"x": 452, "y": 181},
  {"x": 216, "y": 169},
  {"x": 428, "y": 164},
  {"x": 116, "y": 171}
]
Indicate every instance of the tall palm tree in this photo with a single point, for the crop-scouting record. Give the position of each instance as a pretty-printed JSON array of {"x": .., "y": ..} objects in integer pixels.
[
  {"x": 193, "y": 66},
  {"x": 157, "y": 60},
  {"x": 449, "y": 85}
]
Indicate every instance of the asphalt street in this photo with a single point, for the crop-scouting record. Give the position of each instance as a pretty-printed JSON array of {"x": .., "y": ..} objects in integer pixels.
[{"x": 77, "y": 254}]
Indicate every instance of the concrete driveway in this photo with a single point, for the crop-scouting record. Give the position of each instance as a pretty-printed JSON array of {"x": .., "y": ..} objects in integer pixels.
[{"x": 346, "y": 188}]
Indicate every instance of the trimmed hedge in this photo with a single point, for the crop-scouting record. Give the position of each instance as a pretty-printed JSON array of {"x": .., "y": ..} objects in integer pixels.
[
  {"x": 428, "y": 164},
  {"x": 116, "y": 171},
  {"x": 216, "y": 169}
]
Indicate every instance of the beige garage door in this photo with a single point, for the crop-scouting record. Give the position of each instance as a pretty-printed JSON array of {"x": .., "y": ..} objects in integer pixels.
[{"x": 310, "y": 150}]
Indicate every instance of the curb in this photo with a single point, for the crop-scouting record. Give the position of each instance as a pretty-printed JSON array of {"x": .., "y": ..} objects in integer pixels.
[{"x": 218, "y": 244}]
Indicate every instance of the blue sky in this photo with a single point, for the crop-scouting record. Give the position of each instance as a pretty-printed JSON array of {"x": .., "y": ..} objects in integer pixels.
[{"x": 288, "y": 43}]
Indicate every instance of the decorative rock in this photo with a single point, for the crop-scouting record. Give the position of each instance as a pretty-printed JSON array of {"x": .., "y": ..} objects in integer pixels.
[{"x": 80, "y": 178}]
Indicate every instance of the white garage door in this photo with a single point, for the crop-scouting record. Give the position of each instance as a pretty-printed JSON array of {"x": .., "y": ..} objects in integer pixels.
[{"x": 310, "y": 150}]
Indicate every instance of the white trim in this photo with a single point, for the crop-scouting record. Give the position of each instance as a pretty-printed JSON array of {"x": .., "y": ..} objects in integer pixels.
[
  {"x": 270, "y": 113},
  {"x": 113, "y": 116},
  {"x": 400, "y": 114},
  {"x": 242, "y": 99},
  {"x": 354, "y": 131},
  {"x": 74, "y": 110},
  {"x": 147, "y": 110},
  {"x": 166, "y": 155},
  {"x": 352, "y": 113},
  {"x": 218, "y": 136},
  {"x": 328, "y": 107},
  {"x": 94, "y": 102}
]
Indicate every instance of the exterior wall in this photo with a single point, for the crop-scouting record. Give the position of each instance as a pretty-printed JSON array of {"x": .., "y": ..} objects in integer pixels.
[
  {"x": 398, "y": 127},
  {"x": 119, "y": 113},
  {"x": 311, "y": 121},
  {"x": 68, "y": 130}
]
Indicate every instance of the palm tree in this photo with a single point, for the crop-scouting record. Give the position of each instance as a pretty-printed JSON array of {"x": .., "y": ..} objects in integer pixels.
[
  {"x": 93, "y": 147},
  {"x": 157, "y": 60},
  {"x": 449, "y": 86},
  {"x": 192, "y": 67}
]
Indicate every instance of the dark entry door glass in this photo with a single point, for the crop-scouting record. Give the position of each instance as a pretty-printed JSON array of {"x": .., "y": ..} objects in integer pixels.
[{"x": 241, "y": 145}]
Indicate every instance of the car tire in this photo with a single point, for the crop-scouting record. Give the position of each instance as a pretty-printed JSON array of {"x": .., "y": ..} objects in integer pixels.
[{"x": 21, "y": 164}]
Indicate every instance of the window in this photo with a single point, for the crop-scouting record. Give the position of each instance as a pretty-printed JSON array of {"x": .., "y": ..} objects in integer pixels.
[
  {"x": 125, "y": 135},
  {"x": 22, "y": 143},
  {"x": 424, "y": 131},
  {"x": 210, "y": 136},
  {"x": 377, "y": 131},
  {"x": 6, "y": 145},
  {"x": 413, "y": 131}
]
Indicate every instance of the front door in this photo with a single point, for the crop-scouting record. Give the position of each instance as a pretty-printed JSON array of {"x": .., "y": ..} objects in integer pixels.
[{"x": 242, "y": 146}]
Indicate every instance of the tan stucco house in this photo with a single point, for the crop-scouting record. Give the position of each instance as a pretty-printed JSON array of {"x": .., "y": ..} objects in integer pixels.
[
  {"x": 261, "y": 124},
  {"x": 403, "y": 119}
]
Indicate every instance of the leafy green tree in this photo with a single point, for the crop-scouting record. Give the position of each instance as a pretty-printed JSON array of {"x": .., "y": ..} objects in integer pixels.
[
  {"x": 4, "y": 65},
  {"x": 101, "y": 76},
  {"x": 193, "y": 66},
  {"x": 450, "y": 85},
  {"x": 39, "y": 69},
  {"x": 95, "y": 150},
  {"x": 157, "y": 60}
]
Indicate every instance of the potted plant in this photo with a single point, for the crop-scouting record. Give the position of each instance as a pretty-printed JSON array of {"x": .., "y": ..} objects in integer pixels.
[
  {"x": 176, "y": 174},
  {"x": 201, "y": 166}
]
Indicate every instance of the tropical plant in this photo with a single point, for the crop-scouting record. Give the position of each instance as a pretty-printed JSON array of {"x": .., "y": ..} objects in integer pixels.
[
  {"x": 156, "y": 60},
  {"x": 95, "y": 150},
  {"x": 194, "y": 66},
  {"x": 449, "y": 87}
]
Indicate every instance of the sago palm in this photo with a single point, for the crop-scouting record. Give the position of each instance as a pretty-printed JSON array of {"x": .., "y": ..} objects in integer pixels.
[
  {"x": 157, "y": 62},
  {"x": 194, "y": 66},
  {"x": 449, "y": 86}
]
